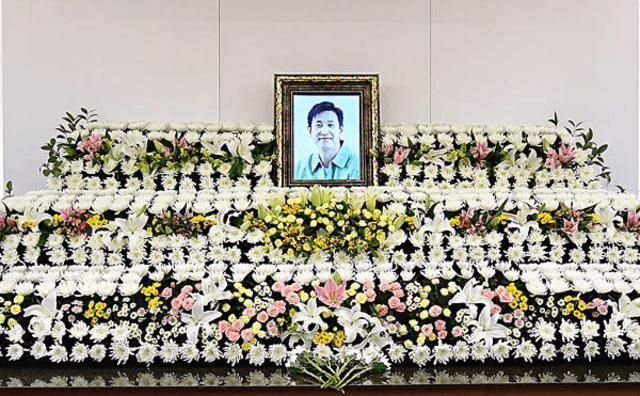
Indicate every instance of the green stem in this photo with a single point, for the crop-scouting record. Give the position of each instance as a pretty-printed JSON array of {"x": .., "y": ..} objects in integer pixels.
[{"x": 346, "y": 381}]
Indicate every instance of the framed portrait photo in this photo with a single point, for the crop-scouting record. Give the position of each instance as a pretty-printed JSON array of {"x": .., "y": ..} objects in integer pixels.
[{"x": 326, "y": 127}]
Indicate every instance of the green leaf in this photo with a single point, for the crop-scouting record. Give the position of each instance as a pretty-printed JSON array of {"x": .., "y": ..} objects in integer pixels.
[
  {"x": 46, "y": 173},
  {"x": 603, "y": 148}
]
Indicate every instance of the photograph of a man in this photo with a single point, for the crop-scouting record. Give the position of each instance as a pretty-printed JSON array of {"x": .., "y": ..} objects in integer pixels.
[{"x": 327, "y": 151}]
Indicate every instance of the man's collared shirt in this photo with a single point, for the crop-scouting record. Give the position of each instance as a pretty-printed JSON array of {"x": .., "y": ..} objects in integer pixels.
[{"x": 345, "y": 165}]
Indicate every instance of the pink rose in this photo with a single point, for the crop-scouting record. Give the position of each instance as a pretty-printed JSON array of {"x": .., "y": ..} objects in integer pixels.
[
  {"x": 401, "y": 307},
  {"x": 368, "y": 285},
  {"x": 277, "y": 286},
  {"x": 495, "y": 309},
  {"x": 176, "y": 303},
  {"x": 262, "y": 317},
  {"x": 247, "y": 335},
  {"x": 442, "y": 334},
  {"x": 233, "y": 335},
  {"x": 383, "y": 309},
  {"x": 296, "y": 287},
  {"x": 272, "y": 311},
  {"x": 280, "y": 305},
  {"x": 249, "y": 312},
  {"x": 166, "y": 293},
  {"x": 435, "y": 310},
  {"x": 286, "y": 290},
  {"x": 394, "y": 286},
  {"x": 187, "y": 289},
  {"x": 394, "y": 302},
  {"x": 488, "y": 294},
  {"x": 384, "y": 286},
  {"x": 237, "y": 325},
  {"x": 441, "y": 324},
  {"x": 223, "y": 326},
  {"x": 398, "y": 293},
  {"x": 370, "y": 294},
  {"x": 427, "y": 330},
  {"x": 456, "y": 331},
  {"x": 293, "y": 298},
  {"x": 188, "y": 303}
]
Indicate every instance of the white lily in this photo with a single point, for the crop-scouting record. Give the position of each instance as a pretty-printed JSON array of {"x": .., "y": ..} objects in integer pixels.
[
  {"x": 241, "y": 148},
  {"x": 353, "y": 321},
  {"x": 606, "y": 217},
  {"x": 487, "y": 327},
  {"x": 197, "y": 318},
  {"x": 377, "y": 336},
  {"x": 309, "y": 314},
  {"x": 520, "y": 221},
  {"x": 215, "y": 292},
  {"x": 214, "y": 148},
  {"x": 47, "y": 310},
  {"x": 438, "y": 224},
  {"x": 470, "y": 295},
  {"x": 133, "y": 228},
  {"x": 625, "y": 308},
  {"x": 33, "y": 215}
]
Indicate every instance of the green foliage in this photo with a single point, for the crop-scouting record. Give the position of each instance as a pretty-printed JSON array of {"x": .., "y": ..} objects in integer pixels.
[{"x": 63, "y": 146}]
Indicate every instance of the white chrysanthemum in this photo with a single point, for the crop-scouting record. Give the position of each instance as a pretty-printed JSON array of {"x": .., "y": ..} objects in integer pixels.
[
  {"x": 120, "y": 352},
  {"x": 591, "y": 350},
  {"x": 547, "y": 352},
  {"x": 38, "y": 350},
  {"x": 569, "y": 351},
  {"x": 169, "y": 351},
  {"x": 420, "y": 355},
  {"x": 146, "y": 353},
  {"x": 257, "y": 354},
  {"x": 614, "y": 348},
  {"x": 233, "y": 353},
  {"x": 612, "y": 330},
  {"x": 526, "y": 350},
  {"x": 568, "y": 330},
  {"x": 99, "y": 332},
  {"x": 634, "y": 350},
  {"x": 589, "y": 329},
  {"x": 442, "y": 354},
  {"x": 397, "y": 353},
  {"x": 544, "y": 331},
  {"x": 79, "y": 330},
  {"x": 98, "y": 352},
  {"x": 15, "y": 351},
  {"x": 211, "y": 353},
  {"x": 480, "y": 351},
  {"x": 79, "y": 352},
  {"x": 278, "y": 353},
  {"x": 500, "y": 351},
  {"x": 58, "y": 354}
]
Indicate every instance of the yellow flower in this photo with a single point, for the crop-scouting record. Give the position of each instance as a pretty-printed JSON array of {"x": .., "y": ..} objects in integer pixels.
[
  {"x": 570, "y": 307},
  {"x": 455, "y": 221},
  {"x": 513, "y": 304},
  {"x": 2, "y": 318},
  {"x": 15, "y": 309},
  {"x": 361, "y": 298},
  {"x": 545, "y": 218},
  {"x": 582, "y": 305},
  {"x": 18, "y": 299}
]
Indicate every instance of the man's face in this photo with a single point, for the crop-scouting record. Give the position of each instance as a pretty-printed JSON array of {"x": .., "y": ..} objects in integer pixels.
[{"x": 326, "y": 131}]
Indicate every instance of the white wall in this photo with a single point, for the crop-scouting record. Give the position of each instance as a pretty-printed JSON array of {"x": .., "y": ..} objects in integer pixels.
[{"x": 493, "y": 61}]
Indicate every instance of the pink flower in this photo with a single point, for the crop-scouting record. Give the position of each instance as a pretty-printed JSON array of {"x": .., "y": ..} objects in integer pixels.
[
  {"x": 293, "y": 298},
  {"x": 481, "y": 150},
  {"x": 383, "y": 309},
  {"x": 277, "y": 286},
  {"x": 286, "y": 290},
  {"x": 570, "y": 227},
  {"x": 441, "y": 324},
  {"x": 296, "y": 287},
  {"x": 368, "y": 285},
  {"x": 400, "y": 155},
  {"x": 166, "y": 151},
  {"x": 633, "y": 219},
  {"x": 398, "y": 293},
  {"x": 188, "y": 303},
  {"x": 249, "y": 312},
  {"x": 199, "y": 286},
  {"x": 233, "y": 335},
  {"x": 488, "y": 294},
  {"x": 176, "y": 303},
  {"x": 456, "y": 331},
  {"x": 166, "y": 293},
  {"x": 401, "y": 307},
  {"x": 272, "y": 311},
  {"x": 237, "y": 325},
  {"x": 552, "y": 159},
  {"x": 387, "y": 148},
  {"x": 262, "y": 317},
  {"x": 181, "y": 143},
  {"x": 186, "y": 289},
  {"x": 495, "y": 309},
  {"x": 442, "y": 334},
  {"x": 566, "y": 153},
  {"x": 394, "y": 302},
  {"x": 435, "y": 311},
  {"x": 66, "y": 213},
  {"x": 247, "y": 335},
  {"x": 332, "y": 294},
  {"x": 394, "y": 286},
  {"x": 280, "y": 305},
  {"x": 223, "y": 325},
  {"x": 427, "y": 330},
  {"x": 384, "y": 286},
  {"x": 370, "y": 294}
]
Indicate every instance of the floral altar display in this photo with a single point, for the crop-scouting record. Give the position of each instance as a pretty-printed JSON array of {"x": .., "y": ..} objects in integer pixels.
[{"x": 168, "y": 243}]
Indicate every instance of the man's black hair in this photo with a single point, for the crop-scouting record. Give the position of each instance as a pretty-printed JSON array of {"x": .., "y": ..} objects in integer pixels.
[{"x": 321, "y": 108}]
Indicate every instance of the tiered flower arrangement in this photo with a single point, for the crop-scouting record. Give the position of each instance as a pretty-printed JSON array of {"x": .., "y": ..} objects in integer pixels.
[{"x": 333, "y": 283}]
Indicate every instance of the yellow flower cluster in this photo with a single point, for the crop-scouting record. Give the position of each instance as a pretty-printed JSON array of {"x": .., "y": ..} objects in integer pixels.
[
  {"x": 206, "y": 221},
  {"x": 150, "y": 290},
  {"x": 326, "y": 337},
  {"x": 545, "y": 218},
  {"x": 519, "y": 301},
  {"x": 575, "y": 306},
  {"x": 455, "y": 221},
  {"x": 332, "y": 226},
  {"x": 96, "y": 311},
  {"x": 27, "y": 225},
  {"x": 95, "y": 221},
  {"x": 57, "y": 219}
]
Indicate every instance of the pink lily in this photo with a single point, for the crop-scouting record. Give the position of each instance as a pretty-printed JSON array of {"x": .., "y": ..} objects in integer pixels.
[
  {"x": 181, "y": 143},
  {"x": 633, "y": 220},
  {"x": 566, "y": 153},
  {"x": 332, "y": 294},
  {"x": 388, "y": 149},
  {"x": 481, "y": 150},
  {"x": 571, "y": 227},
  {"x": 552, "y": 159},
  {"x": 400, "y": 155}
]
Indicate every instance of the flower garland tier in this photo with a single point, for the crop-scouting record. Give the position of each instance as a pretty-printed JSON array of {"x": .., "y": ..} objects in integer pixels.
[
  {"x": 389, "y": 275},
  {"x": 204, "y": 156}
]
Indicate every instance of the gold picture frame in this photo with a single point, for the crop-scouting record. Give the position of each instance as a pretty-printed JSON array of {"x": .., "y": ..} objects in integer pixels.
[{"x": 313, "y": 150}]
